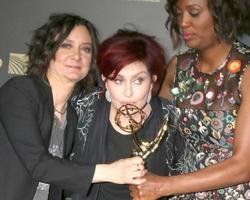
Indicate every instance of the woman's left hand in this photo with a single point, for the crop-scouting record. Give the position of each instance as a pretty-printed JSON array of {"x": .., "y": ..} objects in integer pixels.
[{"x": 151, "y": 189}]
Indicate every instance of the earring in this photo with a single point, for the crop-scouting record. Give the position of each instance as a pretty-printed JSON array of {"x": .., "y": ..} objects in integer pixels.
[
  {"x": 107, "y": 95},
  {"x": 149, "y": 98}
]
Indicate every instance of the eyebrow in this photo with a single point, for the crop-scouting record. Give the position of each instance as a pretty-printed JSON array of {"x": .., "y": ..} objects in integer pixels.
[
  {"x": 69, "y": 40},
  {"x": 139, "y": 73},
  {"x": 194, "y": 5},
  {"x": 190, "y": 5}
]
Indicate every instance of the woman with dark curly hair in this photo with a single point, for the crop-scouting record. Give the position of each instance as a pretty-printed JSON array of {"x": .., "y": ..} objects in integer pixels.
[
  {"x": 210, "y": 83},
  {"x": 38, "y": 123}
]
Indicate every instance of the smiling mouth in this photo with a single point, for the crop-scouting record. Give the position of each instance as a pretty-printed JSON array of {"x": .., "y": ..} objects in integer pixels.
[{"x": 74, "y": 66}]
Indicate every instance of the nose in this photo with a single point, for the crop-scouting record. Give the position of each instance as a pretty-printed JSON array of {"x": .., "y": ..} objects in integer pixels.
[
  {"x": 77, "y": 54},
  {"x": 184, "y": 20},
  {"x": 128, "y": 90}
]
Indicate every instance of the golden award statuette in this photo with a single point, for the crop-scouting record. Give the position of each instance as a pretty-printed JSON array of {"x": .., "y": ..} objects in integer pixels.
[{"x": 136, "y": 117}]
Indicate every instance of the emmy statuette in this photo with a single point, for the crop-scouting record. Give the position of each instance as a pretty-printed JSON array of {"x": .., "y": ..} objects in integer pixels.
[{"x": 142, "y": 147}]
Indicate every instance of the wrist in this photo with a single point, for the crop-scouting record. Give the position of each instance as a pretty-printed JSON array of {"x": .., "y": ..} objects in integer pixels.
[
  {"x": 101, "y": 173},
  {"x": 168, "y": 186}
]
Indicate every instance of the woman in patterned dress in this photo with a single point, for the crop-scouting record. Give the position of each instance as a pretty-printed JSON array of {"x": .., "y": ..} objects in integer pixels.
[{"x": 210, "y": 83}]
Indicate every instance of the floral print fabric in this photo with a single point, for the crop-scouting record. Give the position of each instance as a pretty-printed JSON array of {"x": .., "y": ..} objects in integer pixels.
[{"x": 208, "y": 104}]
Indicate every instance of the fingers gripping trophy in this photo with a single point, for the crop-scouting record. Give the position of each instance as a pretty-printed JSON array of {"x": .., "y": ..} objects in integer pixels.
[{"x": 135, "y": 118}]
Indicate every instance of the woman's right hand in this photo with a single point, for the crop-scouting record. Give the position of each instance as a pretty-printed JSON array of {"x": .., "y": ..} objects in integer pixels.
[{"x": 123, "y": 171}]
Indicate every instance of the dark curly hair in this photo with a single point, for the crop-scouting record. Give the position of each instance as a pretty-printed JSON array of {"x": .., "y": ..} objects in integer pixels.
[
  {"x": 47, "y": 39},
  {"x": 231, "y": 19}
]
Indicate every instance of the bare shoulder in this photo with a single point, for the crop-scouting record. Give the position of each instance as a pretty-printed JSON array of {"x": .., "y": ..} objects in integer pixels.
[
  {"x": 171, "y": 68},
  {"x": 169, "y": 79},
  {"x": 242, "y": 137},
  {"x": 246, "y": 84}
]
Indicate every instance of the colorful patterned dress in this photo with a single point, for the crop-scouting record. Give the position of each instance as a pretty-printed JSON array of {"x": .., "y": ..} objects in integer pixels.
[{"x": 208, "y": 106}]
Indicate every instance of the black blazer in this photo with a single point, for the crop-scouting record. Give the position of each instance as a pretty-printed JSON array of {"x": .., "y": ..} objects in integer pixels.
[{"x": 26, "y": 119}]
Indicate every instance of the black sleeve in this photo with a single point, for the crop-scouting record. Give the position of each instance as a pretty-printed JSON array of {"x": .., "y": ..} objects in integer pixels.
[
  {"x": 20, "y": 119},
  {"x": 175, "y": 142}
]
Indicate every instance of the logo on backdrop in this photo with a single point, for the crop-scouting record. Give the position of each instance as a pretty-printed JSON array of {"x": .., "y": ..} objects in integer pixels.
[{"x": 17, "y": 63}]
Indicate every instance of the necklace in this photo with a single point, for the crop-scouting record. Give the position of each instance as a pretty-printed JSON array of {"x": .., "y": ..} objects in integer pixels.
[
  {"x": 63, "y": 112},
  {"x": 222, "y": 65},
  {"x": 56, "y": 110}
]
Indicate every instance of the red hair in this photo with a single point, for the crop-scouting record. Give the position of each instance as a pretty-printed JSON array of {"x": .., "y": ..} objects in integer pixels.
[{"x": 126, "y": 47}]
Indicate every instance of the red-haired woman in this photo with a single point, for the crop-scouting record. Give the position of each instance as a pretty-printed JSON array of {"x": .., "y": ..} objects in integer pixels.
[{"x": 132, "y": 67}]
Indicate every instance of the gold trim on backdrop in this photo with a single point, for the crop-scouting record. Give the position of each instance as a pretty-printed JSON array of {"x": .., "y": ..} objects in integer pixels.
[
  {"x": 1, "y": 63},
  {"x": 17, "y": 63}
]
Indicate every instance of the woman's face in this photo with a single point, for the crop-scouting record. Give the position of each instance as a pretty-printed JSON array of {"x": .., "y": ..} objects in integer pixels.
[
  {"x": 132, "y": 85},
  {"x": 73, "y": 57},
  {"x": 196, "y": 23}
]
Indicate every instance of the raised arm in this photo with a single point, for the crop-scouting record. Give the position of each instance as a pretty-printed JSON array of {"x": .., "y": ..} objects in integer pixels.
[{"x": 168, "y": 80}]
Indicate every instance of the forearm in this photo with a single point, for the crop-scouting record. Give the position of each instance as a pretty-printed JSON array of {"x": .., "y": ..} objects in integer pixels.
[
  {"x": 101, "y": 174},
  {"x": 105, "y": 173},
  {"x": 227, "y": 173},
  {"x": 123, "y": 171}
]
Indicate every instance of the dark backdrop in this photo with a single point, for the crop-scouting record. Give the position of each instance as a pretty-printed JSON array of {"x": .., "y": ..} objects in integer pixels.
[{"x": 19, "y": 18}]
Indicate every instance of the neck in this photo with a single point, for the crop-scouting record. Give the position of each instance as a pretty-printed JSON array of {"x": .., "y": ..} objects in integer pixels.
[
  {"x": 61, "y": 92},
  {"x": 211, "y": 58}
]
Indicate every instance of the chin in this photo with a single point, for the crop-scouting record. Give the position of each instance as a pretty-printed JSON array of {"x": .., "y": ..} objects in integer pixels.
[
  {"x": 73, "y": 80},
  {"x": 193, "y": 44},
  {"x": 76, "y": 77},
  {"x": 190, "y": 45}
]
